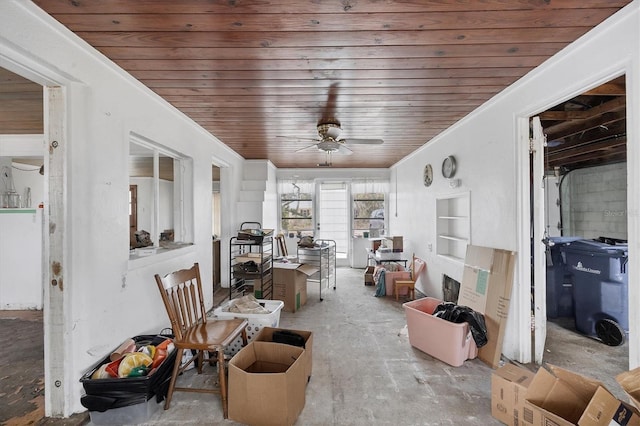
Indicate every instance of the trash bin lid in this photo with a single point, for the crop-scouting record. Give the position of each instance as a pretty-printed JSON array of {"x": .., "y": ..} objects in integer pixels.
[
  {"x": 552, "y": 241},
  {"x": 598, "y": 248}
]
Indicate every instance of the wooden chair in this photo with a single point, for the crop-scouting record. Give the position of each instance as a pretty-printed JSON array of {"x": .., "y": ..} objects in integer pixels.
[
  {"x": 182, "y": 296},
  {"x": 411, "y": 282}
]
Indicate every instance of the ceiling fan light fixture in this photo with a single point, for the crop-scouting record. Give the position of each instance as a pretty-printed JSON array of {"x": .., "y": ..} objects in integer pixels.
[
  {"x": 329, "y": 130},
  {"x": 328, "y": 145}
]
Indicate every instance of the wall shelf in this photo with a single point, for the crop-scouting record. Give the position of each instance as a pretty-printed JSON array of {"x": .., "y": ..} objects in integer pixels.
[
  {"x": 453, "y": 226},
  {"x": 21, "y": 210},
  {"x": 453, "y": 238}
]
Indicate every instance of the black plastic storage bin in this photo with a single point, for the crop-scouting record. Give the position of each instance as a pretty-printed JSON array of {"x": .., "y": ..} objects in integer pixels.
[
  {"x": 600, "y": 283},
  {"x": 559, "y": 283},
  {"x": 107, "y": 394}
]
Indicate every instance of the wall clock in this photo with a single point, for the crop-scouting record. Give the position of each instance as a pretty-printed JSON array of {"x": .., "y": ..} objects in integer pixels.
[
  {"x": 449, "y": 167},
  {"x": 428, "y": 175}
]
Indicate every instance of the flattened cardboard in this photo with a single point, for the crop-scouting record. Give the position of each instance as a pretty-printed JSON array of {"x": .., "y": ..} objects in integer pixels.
[
  {"x": 486, "y": 286},
  {"x": 266, "y": 335},
  {"x": 509, "y": 385},
  {"x": 266, "y": 384}
]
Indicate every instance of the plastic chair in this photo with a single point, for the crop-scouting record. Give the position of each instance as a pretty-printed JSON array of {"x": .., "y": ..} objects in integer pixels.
[
  {"x": 182, "y": 296},
  {"x": 410, "y": 283}
]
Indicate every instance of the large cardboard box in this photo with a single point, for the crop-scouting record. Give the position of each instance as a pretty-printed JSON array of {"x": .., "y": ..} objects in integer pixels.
[
  {"x": 267, "y": 384},
  {"x": 290, "y": 284},
  {"x": 563, "y": 398},
  {"x": 509, "y": 385},
  {"x": 266, "y": 335},
  {"x": 486, "y": 285}
]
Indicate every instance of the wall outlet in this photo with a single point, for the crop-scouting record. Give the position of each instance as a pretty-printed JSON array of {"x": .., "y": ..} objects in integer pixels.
[{"x": 430, "y": 247}]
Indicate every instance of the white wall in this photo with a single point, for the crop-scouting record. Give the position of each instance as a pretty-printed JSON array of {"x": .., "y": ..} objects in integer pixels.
[
  {"x": 594, "y": 202},
  {"x": 492, "y": 159},
  {"x": 109, "y": 297}
]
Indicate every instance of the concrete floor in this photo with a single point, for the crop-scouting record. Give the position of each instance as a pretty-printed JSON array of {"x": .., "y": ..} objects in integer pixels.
[{"x": 365, "y": 372}]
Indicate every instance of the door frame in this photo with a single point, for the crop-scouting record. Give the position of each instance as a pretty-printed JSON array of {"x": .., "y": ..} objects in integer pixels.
[
  {"x": 521, "y": 292},
  {"x": 316, "y": 214}
]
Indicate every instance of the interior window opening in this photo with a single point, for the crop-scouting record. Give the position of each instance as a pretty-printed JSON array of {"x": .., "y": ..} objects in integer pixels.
[{"x": 160, "y": 198}]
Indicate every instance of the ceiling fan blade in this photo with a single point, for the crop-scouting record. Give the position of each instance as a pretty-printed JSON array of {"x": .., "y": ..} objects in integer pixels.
[
  {"x": 295, "y": 138},
  {"x": 344, "y": 150},
  {"x": 362, "y": 141},
  {"x": 307, "y": 148},
  {"x": 329, "y": 112}
]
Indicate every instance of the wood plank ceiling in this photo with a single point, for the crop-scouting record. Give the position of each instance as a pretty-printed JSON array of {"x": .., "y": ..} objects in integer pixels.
[{"x": 251, "y": 72}]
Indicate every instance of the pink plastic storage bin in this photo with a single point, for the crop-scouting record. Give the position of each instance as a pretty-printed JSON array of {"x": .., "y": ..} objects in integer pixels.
[{"x": 442, "y": 339}]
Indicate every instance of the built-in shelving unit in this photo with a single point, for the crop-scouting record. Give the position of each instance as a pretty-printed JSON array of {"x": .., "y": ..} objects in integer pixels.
[{"x": 453, "y": 225}]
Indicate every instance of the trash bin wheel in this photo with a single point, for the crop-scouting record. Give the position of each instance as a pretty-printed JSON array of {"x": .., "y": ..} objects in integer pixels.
[{"x": 610, "y": 332}]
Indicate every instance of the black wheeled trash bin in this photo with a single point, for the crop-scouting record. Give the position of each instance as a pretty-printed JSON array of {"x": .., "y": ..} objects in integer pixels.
[
  {"x": 600, "y": 288},
  {"x": 559, "y": 283}
]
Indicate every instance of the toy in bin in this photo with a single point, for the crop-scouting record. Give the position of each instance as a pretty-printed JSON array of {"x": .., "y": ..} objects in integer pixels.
[{"x": 137, "y": 370}]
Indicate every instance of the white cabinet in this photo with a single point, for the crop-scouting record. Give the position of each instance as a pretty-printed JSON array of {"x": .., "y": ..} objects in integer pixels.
[
  {"x": 21, "y": 259},
  {"x": 359, "y": 252},
  {"x": 453, "y": 225}
]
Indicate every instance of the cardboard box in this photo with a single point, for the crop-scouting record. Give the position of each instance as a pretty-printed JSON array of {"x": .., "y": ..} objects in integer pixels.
[
  {"x": 509, "y": 385},
  {"x": 368, "y": 275},
  {"x": 267, "y": 384},
  {"x": 448, "y": 341},
  {"x": 563, "y": 398},
  {"x": 486, "y": 285},
  {"x": 266, "y": 335},
  {"x": 630, "y": 382},
  {"x": 396, "y": 244},
  {"x": 290, "y": 284},
  {"x": 605, "y": 410}
]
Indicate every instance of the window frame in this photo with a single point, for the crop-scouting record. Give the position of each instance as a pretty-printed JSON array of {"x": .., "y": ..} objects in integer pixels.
[
  {"x": 289, "y": 197},
  {"x": 357, "y": 232},
  {"x": 180, "y": 205}
]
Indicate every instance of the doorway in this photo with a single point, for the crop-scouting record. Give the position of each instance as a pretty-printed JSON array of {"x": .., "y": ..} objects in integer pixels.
[
  {"x": 216, "y": 227},
  {"x": 333, "y": 221},
  {"x": 21, "y": 248},
  {"x": 578, "y": 191}
]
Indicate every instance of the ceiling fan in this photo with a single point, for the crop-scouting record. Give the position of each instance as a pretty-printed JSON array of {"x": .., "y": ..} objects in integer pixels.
[
  {"x": 329, "y": 131},
  {"x": 329, "y": 140}
]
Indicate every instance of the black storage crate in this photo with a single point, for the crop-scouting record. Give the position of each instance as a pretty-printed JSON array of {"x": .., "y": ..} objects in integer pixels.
[{"x": 105, "y": 394}]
